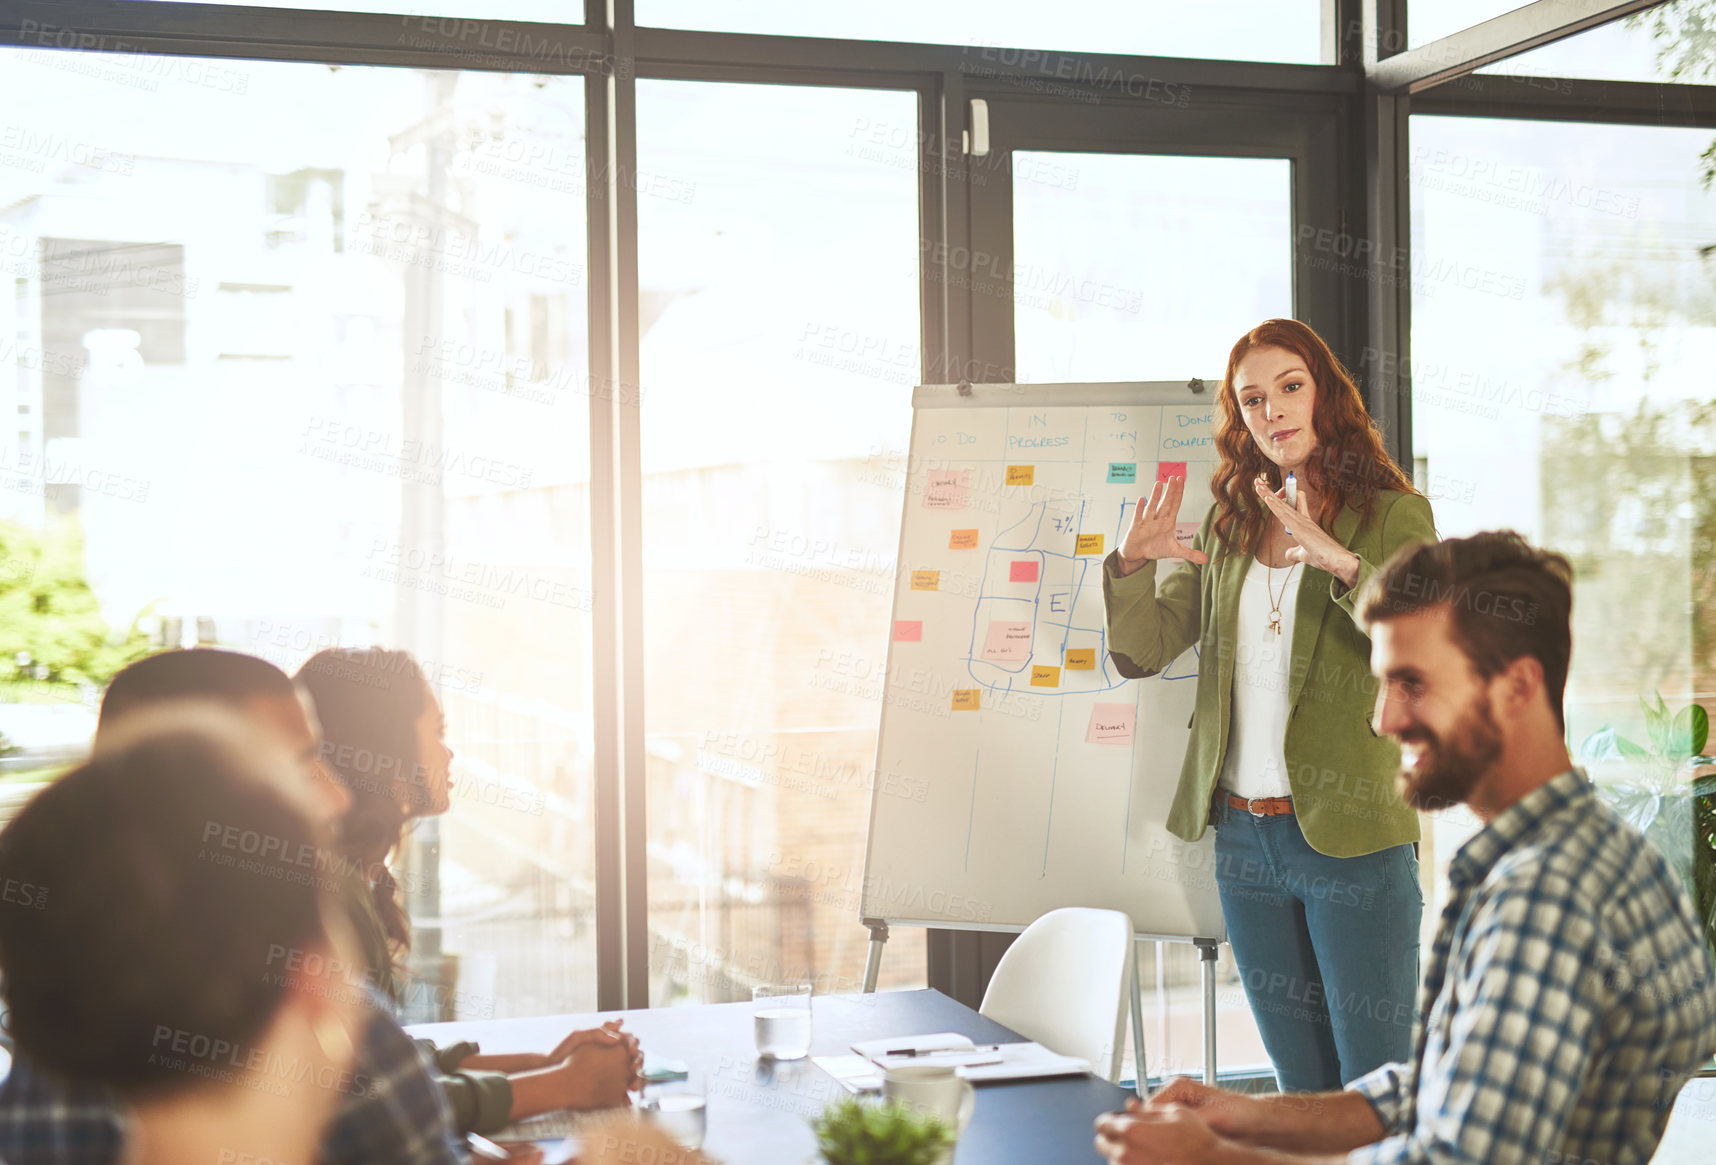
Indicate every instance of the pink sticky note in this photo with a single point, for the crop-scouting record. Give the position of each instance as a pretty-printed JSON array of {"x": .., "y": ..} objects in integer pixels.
[
  {"x": 1007, "y": 642},
  {"x": 1111, "y": 724},
  {"x": 1184, "y": 532},
  {"x": 1167, "y": 469},
  {"x": 945, "y": 489},
  {"x": 908, "y": 631},
  {"x": 1024, "y": 570}
]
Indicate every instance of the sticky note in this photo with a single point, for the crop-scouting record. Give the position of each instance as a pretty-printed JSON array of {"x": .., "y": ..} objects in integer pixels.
[
  {"x": 1007, "y": 642},
  {"x": 1021, "y": 474},
  {"x": 1122, "y": 472},
  {"x": 926, "y": 580},
  {"x": 1184, "y": 532},
  {"x": 1023, "y": 570},
  {"x": 962, "y": 540},
  {"x": 1088, "y": 544},
  {"x": 1111, "y": 724},
  {"x": 966, "y": 699},
  {"x": 1167, "y": 469},
  {"x": 908, "y": 630},
  {"x": 945, "y": 489},
  {"x": 1045, "y": 677},
  {"x": 1079, "y": 658}
]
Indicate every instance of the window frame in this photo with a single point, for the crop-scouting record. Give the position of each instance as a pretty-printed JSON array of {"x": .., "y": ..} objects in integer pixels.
[{"x": 1366, "y": 118}]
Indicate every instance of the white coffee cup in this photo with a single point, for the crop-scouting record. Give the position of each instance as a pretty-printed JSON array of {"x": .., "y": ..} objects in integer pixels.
[{"x": 932, "y": 1088}]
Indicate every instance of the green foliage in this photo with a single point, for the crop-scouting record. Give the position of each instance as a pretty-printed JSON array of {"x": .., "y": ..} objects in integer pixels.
[
  {"x": 1674, "y": 739},
  {"x": 858, "y": 1132},
  {"x": 52, "y": 635},
  {"x": 1685, "y": 34},
  {"x": 1679, "y": 821}
]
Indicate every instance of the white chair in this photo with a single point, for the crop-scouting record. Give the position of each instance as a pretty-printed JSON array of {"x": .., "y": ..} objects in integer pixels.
[{"x": 1066, "y": 983}]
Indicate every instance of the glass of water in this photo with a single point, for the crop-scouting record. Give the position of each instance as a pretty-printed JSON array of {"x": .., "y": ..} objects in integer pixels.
[
  {"x": 783, "y": 1020},
  {"x": 679, "y": 1108}
]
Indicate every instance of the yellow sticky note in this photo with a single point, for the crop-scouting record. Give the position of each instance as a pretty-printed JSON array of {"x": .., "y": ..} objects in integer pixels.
[
  {"x": 965, "y": 699},
  {"x": 1089, "y": 544},
  {"x": 926, "y": 580},
  {"x": 1021, "y": 474},
  {"x": 1081, "y": 659},
  {"x": 962, "y": 540},
  {"x": 1045, "y": 677}
]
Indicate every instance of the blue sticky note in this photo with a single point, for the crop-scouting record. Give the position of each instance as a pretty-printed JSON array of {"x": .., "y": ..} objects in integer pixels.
[{"x": 1122, "y": 472}]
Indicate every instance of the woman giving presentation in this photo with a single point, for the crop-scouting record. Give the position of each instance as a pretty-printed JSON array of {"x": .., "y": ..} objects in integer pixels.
[{"x": 1314, "y": 857}]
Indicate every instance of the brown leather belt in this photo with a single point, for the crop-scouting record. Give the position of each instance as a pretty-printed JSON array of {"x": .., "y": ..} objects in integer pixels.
[{"x": 1262, "y": 806}]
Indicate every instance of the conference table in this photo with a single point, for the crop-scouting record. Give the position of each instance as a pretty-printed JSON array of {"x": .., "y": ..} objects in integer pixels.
[{"x": 760, "y": 1110}]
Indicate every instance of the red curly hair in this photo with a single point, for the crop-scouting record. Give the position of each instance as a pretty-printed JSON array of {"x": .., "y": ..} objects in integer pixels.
[{"x": 1350, "y": 463}]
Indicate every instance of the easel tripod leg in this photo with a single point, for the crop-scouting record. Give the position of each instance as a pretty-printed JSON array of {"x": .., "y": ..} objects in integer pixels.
[
  {"x": 1142, "y": 1071},
  {"x": 873, "y": 963},
  {"x": 1207, "y": 951}
]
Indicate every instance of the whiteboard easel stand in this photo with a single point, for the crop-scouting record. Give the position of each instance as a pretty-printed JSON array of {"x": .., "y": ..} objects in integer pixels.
[{"x": 1207, "y": 951}]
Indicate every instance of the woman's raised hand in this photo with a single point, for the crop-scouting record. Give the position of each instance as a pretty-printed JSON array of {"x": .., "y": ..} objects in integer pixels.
[{"x": 1151, "y": 534}]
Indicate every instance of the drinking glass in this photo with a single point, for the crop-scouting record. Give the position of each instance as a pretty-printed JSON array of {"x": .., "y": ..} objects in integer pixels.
[
  {"x": 679, "y": 1108},
  {"x": 783, "y": 1020}
]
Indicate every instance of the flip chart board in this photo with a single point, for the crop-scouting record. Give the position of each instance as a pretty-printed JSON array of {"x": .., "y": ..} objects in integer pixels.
[{"x": 1017, "y": 771}]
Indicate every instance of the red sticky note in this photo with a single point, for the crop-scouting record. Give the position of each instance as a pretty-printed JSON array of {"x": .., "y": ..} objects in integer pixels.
[
  {"x": 1023, "y": 571},
  {"x": 1167, "y": 469},
  {"x": 908, "y": 631}
]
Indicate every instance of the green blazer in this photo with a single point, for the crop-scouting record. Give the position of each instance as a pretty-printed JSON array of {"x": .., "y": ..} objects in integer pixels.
[{"x": 1341, "y": 772}]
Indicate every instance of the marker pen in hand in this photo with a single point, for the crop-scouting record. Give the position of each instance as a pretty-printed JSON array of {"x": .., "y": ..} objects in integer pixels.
[{"x": 1292, "y": 490}]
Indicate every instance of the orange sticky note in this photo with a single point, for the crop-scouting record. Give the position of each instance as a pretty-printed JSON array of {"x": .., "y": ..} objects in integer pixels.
[
  {"x": 965, "y": 699},
  {"x": 926, "y": 580},
  {"x": 962, "y": 540},
  {"x": 1045, "y": 677},
  {"x": 1021, "y": 474},
  {"x": 1081, "y": 659},
  {"x": 1088, "y": 544}
]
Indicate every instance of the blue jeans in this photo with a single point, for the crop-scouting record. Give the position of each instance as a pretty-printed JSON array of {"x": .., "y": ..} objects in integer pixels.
[{"x": 1327, "y": 947}]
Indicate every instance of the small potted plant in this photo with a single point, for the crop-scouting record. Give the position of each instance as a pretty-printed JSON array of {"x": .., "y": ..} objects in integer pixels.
[{"x": 858, "y": 1132}]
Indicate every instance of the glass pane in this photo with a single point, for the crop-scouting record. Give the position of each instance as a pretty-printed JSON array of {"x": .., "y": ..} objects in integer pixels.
[
  {"x": 1427, "y": 21},
  {"x": 322, "y": 386},
  {"x": 1562, "y": 326},
  {"x": 1664, "y": 44},
  {"x": 543, "y": 11},
  {"x": 778, "y": 356},
  {"x": 1145, "y": 267},
  {"x": 1243, "y": 30}
]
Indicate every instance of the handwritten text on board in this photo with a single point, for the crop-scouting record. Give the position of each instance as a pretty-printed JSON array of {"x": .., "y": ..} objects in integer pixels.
[
  {"x": 1111, "y": 724},
  {"x": 1007, "y": 642}
]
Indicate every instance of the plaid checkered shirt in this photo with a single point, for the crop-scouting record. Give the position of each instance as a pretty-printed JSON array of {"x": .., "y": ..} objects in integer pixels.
[
  {"x": 1569, "y": 995},
  {"x": 393, "y": 1112}
]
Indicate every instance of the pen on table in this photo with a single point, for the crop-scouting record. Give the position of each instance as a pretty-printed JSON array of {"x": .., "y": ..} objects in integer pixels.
[{"x": 942, "y": 1051}]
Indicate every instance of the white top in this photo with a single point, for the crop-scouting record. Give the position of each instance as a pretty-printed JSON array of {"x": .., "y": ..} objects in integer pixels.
[{"x": 1262, "y": 663}]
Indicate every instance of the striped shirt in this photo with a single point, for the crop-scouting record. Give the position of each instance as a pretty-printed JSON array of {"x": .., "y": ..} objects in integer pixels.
[{"x": 1569, "y": 995}]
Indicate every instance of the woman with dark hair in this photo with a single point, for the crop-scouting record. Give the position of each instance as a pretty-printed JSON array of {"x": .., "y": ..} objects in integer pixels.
[
  {"x": 384, "y": 738},
  {"x": 203, "y": 983},
  {"x": 1315, "y": 861}
]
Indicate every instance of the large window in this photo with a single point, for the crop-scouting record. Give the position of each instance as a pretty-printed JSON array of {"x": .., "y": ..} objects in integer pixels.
[
  {"x": 1564, "y": 326},
  {"x": 1242, "y": 30},
  {"x": 1145, "y": 266},
  {"x": 323, "y": 385},
  {"x": 779, "y": 274}
]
